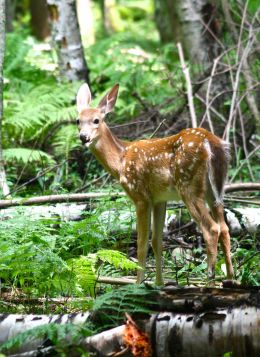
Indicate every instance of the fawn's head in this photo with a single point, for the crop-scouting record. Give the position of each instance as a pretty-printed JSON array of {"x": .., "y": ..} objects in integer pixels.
[{"x": 91, "y": 120}]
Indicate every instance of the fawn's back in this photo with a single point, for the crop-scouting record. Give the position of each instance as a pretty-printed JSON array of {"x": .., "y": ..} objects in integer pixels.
[{"x": 164, "y": 169}]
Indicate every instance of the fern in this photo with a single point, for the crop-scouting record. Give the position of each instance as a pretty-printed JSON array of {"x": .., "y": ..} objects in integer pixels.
[
  {"x": 84, "y": 272},
  {"x": 117, "y": 259},
  {"x": 65, "y": 141},
  {"x": 25, "y": 156},
  {"x": 61, "y": 336},
  {"x": 112, "y": 306},
  {"x": 85, "y": 267}
]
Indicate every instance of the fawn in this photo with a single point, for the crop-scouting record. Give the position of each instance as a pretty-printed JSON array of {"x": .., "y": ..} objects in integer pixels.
[{"x": 191, "y": 165}]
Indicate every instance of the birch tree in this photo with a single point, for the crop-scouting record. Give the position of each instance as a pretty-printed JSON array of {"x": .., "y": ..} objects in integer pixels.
[
  {"x": 194, "y": 24},
  {"x": 4, "y": 189},
  {"x": 66, "y": 40}
]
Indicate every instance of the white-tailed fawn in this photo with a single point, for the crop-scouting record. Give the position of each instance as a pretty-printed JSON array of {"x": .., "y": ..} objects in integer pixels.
[{"x": 190, "y": 166}]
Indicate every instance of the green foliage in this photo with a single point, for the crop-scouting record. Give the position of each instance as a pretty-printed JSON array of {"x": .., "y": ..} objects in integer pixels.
[
  {"x": 45, "y": 260},
  {"x": 117, "y": 259},
  {"x": 60, "y": 336},
  {"x": 110, "y": 308},
  {"x": 85, "y": 268},
  {"x": 25, "y": 156}
]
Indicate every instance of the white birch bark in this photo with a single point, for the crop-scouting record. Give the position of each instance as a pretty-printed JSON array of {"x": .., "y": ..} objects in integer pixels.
[
  {"x": 211, "y": 333},
  {"x": 13, "y": 324},
  {"x": 66, "y": 39},
  {"x": 196, "y": 38}
]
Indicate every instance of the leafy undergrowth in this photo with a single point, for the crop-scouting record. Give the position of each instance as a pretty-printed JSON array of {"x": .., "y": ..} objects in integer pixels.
[
  {"x": 46, "y": 259},
  {"x": 51, "y": 267}
]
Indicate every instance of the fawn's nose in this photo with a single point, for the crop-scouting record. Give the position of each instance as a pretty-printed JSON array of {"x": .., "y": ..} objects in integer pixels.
[{"x": 84, "y": 138}]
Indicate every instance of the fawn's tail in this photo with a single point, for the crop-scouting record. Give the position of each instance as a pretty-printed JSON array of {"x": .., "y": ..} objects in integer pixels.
[{"x": 217, "y": 167}]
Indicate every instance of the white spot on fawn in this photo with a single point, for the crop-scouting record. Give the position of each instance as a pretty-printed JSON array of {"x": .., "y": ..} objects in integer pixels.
[
  {"x": 135, "y": 149},
  {"x": 190, "y": 144}
]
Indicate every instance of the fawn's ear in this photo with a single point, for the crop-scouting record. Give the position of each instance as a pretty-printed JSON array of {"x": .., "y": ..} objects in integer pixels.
[
  {"x": 83, "y": 97},
  {"x": 108, "y": 102}
]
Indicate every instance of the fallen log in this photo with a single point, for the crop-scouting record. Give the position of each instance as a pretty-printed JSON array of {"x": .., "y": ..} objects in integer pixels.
[
  {"x": 82, "y": 197},
  {"x": 185, "y": 322}
]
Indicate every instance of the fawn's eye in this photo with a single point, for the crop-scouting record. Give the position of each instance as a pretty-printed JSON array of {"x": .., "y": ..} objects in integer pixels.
[
  {"x": 77, "y": 121},
  {"x": 96, "y": 121}
]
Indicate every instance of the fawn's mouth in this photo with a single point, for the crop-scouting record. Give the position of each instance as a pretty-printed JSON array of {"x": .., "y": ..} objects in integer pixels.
[{"x": 90, "y": 142}]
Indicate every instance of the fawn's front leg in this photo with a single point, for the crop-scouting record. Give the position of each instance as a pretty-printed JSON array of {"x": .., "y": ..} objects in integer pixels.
[
  {"x": 159, "y": 211},
  {"x": 143, "y": 216}
]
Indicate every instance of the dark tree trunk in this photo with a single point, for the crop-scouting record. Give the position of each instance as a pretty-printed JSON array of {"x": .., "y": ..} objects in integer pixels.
[
  {"x": 108, "y": 16},
  {"x": 39, "y": 19},
  {"x": 9, "y": 12},
  {"x": 167, "y": 21},
  {"x": 66, "y": 39}
]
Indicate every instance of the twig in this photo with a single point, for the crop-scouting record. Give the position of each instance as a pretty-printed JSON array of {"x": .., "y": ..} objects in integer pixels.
[
  {"x": 115, "y": 281},
  {"x": 158, "y": 128},
  {"x": 217, "y": 113},
  {"x": 141, "y": 101},
  {"x": 250, "y": 202},
  {"x": 40, "y": 174},
  {"x": 244, "y": 162},
  {"x": 215, "y": 62},
  {"x": 189, "y": 86},
  {"x": 247, "y": 260},
  {"x": 236, "y": 83},
  {"x": 74, "y": 197},
  {"x": 246, "y": 69},
  {"x": 248, "y": 186},
  {"x": 82, "y": 188}
]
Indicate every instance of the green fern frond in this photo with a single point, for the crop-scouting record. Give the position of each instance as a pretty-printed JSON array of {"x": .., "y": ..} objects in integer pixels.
[
  {"x": 84, "y": 272},
  {"x": 112, "y": 306},
  {"x": 56, "y": 333},
  {"x": 66, "y": 140},
  {"x": 25, "y": 156},
  {"x": 117, "y": 259}
]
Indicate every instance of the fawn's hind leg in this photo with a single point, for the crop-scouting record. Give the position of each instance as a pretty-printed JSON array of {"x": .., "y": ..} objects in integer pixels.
[
  {"x": 218, "y": 214},
  {"x": 210, "y": 229}
]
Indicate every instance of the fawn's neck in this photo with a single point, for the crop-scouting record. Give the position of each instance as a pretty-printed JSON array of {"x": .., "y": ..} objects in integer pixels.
[{"x": 108, "y": 150}]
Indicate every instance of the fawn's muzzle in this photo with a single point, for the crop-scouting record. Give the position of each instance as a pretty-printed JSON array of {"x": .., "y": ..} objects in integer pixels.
[{"x": 84, "y": 138}]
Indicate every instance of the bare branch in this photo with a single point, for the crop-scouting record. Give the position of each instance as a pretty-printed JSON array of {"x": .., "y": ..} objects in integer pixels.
[{"x": 186, "y": 73}]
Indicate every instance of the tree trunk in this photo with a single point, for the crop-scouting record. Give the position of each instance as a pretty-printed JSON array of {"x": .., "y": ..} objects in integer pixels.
[
  {"x": 167, "y": 21},
  {"x": 86, "y": 22},
  {"x": 4, "y": 189},
  {"x": 194, "y": 24},
  {"x": 110, "y": 17},
  {"x": 39, "y": 19},
  {"x": 199, "y": 29},
  {"x": 67, "y": 41},
  {"x": 187, "y": 322},
  {"x": 9, "y": 11}
]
